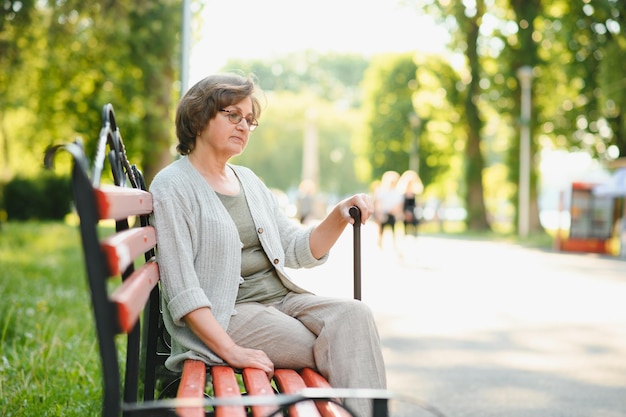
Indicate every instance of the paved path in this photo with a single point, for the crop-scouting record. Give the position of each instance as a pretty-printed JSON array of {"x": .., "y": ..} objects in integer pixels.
[{"x": 476, "y": 328}]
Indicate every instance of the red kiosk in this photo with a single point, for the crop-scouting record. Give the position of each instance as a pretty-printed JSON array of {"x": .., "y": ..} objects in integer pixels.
[{"x": 592, "y": 218}]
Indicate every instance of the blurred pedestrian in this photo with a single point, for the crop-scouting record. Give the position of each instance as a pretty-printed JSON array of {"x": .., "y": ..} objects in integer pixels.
[
  {"x": 306, "y": 200},
  {"x": 410, "y": 185},
  {"x": 387, "y": 204}
]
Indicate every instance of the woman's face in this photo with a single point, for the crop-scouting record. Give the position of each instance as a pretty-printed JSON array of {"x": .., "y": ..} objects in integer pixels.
[{"x": 225, "y": 137}]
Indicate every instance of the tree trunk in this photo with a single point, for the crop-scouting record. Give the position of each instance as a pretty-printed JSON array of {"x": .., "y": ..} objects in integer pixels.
[{"x": 475, "y": 162}]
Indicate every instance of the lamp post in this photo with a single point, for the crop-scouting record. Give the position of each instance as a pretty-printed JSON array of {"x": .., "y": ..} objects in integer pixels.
[
  {"x": 414, "y": 153},
  {"x": 310, "y": 149},
  {"x": 525, "y": 75}
]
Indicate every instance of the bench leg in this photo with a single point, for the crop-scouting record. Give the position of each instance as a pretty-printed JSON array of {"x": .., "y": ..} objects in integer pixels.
[{"x": 381, "y": 408}]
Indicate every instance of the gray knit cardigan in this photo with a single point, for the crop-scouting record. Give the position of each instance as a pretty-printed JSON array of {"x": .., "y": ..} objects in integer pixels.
[{"x": 199, "y": 250}]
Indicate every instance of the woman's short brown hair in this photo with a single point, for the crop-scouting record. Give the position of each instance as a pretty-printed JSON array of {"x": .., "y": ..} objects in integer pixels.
[{"x": 205, "y": 99}]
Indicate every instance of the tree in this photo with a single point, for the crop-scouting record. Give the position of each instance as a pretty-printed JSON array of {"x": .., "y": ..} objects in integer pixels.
[
  {"x": 469, "y": 20},
  {"x": 591, "y": 41},
  {"x": 336, "y": 77},
  {"x": 329, "y": 89},
  {"x": 464, "y": 21},
  {"x": 16, "y": 29},
  {"x": 439, "y": 106},
  {"x": 520, "y": 49},
  {"x": 275, "y": 149},
  {"x": 389, "y": 86},
  {"x": 82, "y": 55},
  {"x": 154, "y": 52}
]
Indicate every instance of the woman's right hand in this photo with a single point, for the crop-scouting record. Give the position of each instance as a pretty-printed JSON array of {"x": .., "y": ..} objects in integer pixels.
[
  {"x": 203, "y": 324},
  {"x": 241, "y": 357}
]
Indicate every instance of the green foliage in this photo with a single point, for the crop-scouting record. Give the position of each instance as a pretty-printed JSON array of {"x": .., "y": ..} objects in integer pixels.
[
  {"x": 275, "y": 149},
  {"x": 46, "y": 197},
  {"x": 438, "y": 103},
  {"x": 307, "y": 91},
  {"x": 78, "y": 56},
  {"x": 15, "y": 29},
  {"x": 63, "y": 60},
  {"x": 389, "y": 85},
  {"x": 153, "y": 56},
  {"x": 335, "y": 77}
]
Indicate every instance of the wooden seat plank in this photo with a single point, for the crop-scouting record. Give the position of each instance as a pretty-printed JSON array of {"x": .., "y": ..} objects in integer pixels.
[
  {"x": 257, "y": 383},
  {"x": 192, "y": 384},
  {"x": 225, "y": 386},
  {"x": 290, "y": 382},
  {"x": 313, "y": 379}
]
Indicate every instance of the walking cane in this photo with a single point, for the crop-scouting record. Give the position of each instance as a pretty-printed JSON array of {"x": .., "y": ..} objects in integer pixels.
[{"x": 356, "y": 215}]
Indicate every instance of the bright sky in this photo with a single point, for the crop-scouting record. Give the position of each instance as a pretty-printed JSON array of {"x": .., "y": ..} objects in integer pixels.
[{"x": 268, "y": 28}]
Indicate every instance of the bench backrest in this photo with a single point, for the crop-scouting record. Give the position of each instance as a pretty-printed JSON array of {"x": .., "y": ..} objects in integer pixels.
[{"x": 125, "y": 255}]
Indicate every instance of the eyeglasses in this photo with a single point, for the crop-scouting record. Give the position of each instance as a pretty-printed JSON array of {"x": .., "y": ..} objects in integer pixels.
[{"x": 235, "y": 118}]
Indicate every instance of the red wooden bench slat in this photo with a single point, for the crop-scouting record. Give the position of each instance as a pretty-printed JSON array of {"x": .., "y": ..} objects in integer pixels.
[
  {"x": 225, "y": 386},
  {"x": 257, "y": 383},
  {"x": 120, "y": 202},
  {"x": 313, "y": 379},
  {"x": 122, "y": 248},
  {"x": 132, "y": 295},
  {"x": 191, "y": 386},
  {"x": 290, "y": 382}
]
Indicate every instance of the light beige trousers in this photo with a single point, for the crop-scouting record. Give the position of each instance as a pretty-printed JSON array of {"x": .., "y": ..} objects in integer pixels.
[{"x": 336, "y": 336}]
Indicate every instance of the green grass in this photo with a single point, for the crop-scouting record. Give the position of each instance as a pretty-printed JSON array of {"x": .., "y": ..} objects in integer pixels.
[{"x": 49, "y": 364}]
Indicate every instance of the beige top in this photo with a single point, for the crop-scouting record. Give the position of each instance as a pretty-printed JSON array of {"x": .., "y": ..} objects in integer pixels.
[{"x": 260, "y": 280}]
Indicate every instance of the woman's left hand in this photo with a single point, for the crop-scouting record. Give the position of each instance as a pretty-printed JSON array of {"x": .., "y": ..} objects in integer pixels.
[
  {"x": 326, "y": 233},
  {"x": 362, "y": 201}
]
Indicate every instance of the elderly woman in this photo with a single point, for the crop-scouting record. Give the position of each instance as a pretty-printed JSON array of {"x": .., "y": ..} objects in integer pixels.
[{"x": 224, "y": 245}]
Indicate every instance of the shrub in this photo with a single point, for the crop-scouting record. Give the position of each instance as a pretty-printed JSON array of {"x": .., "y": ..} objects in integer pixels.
[{"x": 47, "y": 197}]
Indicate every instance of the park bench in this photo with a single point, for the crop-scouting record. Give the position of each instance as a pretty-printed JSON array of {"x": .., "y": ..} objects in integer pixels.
[{"x": 123, "y": 278}]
